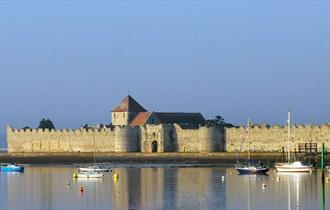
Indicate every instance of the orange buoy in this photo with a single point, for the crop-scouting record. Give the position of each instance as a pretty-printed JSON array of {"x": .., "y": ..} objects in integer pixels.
[{"x": 81, "y": 189}]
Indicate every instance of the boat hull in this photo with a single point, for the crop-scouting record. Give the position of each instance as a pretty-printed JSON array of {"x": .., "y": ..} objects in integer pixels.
[
  {"x": 294, "y": 170},
  {"x": 12, "y": 168},
  {"x": 295, "y": 167},
  {"x": 256, "y": 171},
  {"x": 93, "y": 169}
]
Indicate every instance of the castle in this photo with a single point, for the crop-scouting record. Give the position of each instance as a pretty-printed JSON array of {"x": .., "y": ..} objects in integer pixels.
[{"x": 134, "y": 129}]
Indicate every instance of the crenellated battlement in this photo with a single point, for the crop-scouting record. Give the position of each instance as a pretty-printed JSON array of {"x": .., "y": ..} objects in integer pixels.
[
  {"x": 276, "y": 126},
  {"x": 265, "y": 138}
]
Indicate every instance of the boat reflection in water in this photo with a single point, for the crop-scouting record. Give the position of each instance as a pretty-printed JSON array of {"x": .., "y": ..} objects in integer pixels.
[
  {"x": 159, "y": 188},
  {"x": 275, "y": 191}
]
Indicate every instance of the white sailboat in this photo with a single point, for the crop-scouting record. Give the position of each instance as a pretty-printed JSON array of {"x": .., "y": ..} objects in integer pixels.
[
  {"x": 250, "y": 168},
  {"x": 91, "y": 171},
  {"x": 93, "y": 168},
  {"x": 289, "y": 166}
]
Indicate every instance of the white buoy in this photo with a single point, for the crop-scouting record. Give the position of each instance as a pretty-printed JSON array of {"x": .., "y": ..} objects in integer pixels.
[
  {"x": 278, "y": 178},
  {"x": 263, "y": 185}
]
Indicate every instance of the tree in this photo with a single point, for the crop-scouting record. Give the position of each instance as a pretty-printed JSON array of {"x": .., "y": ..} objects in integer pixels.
[
  {"x": 46, "y": 124},
  {"x": 219, "y": 121}
]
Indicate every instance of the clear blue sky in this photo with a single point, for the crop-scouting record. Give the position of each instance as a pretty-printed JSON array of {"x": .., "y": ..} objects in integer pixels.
[{"x": 74, "y": 61}]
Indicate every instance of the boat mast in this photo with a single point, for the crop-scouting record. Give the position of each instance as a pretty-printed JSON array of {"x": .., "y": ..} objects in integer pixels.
[
  {"x": 94, "y": 149},
  {"x": 289, "y": 135},
  {"x": 248, "y": 131},
  {"x": 310, "y": 129}
]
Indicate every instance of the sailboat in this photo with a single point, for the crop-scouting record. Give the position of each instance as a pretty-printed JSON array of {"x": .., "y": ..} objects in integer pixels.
[
  {"x": 289, "y": 166},
  {"x": 250, "y": 168},
  {"x": 91, "y": 171}
]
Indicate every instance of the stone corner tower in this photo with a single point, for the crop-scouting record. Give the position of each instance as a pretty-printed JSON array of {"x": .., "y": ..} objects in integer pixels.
[{"x": 126, "y": 111}]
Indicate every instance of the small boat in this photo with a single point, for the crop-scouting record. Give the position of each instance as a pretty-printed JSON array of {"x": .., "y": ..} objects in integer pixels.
[
  {"x": 90, "y": 174},
  {"x": 11, "y": 167},
  {"x": 256, "y": 168},
  {"x": 93, "y": 168},
  {"x": 296, "y": 166},
  {"x": 253, "y": 170}
]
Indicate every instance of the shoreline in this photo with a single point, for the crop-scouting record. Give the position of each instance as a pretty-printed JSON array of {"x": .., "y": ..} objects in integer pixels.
[{"x": 138, "y": 158}]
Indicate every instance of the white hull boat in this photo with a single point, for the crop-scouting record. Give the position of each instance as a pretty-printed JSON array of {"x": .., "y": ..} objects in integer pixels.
[
  {"x": 88, "y": 175},
  {"x": 296, "y": 166},
  {"x": 93, "y": 169}
]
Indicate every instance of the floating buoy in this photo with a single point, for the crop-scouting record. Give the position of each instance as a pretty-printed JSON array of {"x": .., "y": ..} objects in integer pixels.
[
  {"x": 222, "y": 178},
  {"x": 327, "y": 179},
  {"x": 75, "y": 175},
  {"x": 115, "y": 177},
  {"x": 278, "y": 178},
  {"x": 263, "y": 185},
  {"x": 81, "y": 189}
]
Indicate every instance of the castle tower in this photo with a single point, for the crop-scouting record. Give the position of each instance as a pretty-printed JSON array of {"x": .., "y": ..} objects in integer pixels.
[{"x": 126, "y": 111}]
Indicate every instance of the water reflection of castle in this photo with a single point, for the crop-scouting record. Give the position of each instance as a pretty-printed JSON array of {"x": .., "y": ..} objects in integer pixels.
[
  {"x": 160, "y": 188},
  {"x": 136, "y": 188},
  {"x": 165, "y": 188}
]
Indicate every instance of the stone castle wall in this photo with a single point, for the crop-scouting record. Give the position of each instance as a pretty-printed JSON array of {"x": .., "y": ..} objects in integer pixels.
[
  {"x": 169, "y": 138},
  {"x": 265, "y": 138},
  {"x": 66, "y": 140}
]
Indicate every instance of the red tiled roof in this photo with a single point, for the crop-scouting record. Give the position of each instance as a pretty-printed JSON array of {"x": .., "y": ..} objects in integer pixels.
[
  {"x": 128, "y": 104},
  {"x": 140, "y": 119}
]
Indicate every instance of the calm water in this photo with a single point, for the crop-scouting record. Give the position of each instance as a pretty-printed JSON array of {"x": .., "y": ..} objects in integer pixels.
[{"x": 160, "y": 188}]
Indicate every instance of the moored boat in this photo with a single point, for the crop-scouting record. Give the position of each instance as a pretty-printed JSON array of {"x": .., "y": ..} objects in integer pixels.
[
  {"x": 252, "y": 169},
  {"x": 11, "y": 167},
  {"x": 90, "y": 174},
  {"x": 257, "y": 170},
  {"x": 296, "y": 166},
  {"x": 93, "y": 168}
]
